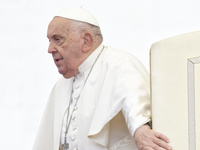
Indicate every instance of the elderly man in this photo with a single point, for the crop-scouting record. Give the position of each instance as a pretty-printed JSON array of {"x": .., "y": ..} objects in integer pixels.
[{"x": 102, "y": 100}]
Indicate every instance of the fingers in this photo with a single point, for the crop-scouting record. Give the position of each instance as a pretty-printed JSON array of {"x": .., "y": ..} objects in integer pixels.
[
  {"x": 162, "y": 137},
  {"x": 148, "y": 139},
  {"x": 162, "y": 141}
]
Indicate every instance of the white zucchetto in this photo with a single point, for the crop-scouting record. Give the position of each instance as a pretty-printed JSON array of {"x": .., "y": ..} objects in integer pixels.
[{"x": 79, "y": 14}]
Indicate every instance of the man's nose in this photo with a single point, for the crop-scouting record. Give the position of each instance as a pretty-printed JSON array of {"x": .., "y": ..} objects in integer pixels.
[{"x": 51, "y": 48}]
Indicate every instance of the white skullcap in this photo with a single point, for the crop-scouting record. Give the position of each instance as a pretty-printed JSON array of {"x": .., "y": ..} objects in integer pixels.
[{"x": 79, "y": 14}]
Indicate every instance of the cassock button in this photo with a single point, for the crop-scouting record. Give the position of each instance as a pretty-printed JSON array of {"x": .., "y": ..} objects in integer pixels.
[
  {"x": 73, "y": 138},
  {"x": 76, "y": 96},
  {"x": 76, "y": 87},
  {"x": 78, "y": 76},
  {"x": 75, "y": 108},
  {"x": 74, "y": 128}
]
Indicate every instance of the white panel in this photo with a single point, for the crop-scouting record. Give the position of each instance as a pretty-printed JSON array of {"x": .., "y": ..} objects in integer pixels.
[
  {"x": 175, "y": 90},
  {"x": 197, "y": 104}
]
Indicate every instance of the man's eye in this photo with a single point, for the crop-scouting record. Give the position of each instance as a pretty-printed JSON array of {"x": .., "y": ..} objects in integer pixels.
[{"x": 58, "y": 40}]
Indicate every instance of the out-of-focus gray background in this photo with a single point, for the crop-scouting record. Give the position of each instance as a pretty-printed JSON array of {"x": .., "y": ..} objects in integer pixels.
[{"x": 27, "y": 71}]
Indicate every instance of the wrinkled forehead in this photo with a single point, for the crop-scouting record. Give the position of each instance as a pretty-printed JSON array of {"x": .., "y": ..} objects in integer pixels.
[
  {"x": 59, "y": 22},
  {"x": 58, "y": 25}
]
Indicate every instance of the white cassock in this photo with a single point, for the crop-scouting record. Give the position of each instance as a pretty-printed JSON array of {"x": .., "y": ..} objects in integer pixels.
[{"x": 113, "y": 104}]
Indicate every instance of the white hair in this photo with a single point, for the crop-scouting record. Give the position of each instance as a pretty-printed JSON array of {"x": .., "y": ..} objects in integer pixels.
[{"x": 81, "y": 27}]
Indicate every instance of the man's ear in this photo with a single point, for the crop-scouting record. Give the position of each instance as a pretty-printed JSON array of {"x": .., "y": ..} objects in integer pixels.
[{"x": 88, "y": 42}]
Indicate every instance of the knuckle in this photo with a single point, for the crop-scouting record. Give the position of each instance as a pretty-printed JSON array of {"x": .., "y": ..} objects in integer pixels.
[
  {"x": 158, "y": 134},
  {"x": 158, "y": 142}
]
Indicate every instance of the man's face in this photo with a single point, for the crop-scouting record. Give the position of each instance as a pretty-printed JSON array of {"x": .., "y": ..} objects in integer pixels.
[{"x": 65, "y": 46}]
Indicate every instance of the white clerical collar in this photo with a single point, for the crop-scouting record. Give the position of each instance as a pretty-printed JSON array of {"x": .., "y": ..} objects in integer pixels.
[{"x": 90, "y": 60}]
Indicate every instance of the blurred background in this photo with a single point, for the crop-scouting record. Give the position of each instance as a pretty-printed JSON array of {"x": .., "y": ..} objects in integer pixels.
[{"x": 27, "y": 71}]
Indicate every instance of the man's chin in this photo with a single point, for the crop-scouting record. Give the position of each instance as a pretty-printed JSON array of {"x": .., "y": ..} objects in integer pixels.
[
  {"x": 67, "y": 74},
  {"x": 62, "y": 73},
  {"x": 66, "y": 77}
]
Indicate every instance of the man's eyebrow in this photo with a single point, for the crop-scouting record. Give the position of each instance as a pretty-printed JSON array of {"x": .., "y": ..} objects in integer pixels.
[{"x": 54, "y": 36}]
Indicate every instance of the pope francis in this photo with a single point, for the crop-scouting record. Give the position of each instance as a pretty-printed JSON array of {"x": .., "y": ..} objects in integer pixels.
[{"x": 102, "y": 100}]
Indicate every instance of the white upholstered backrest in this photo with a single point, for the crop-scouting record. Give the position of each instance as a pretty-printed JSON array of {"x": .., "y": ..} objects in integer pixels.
[{"x": 175, "y": 89}]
